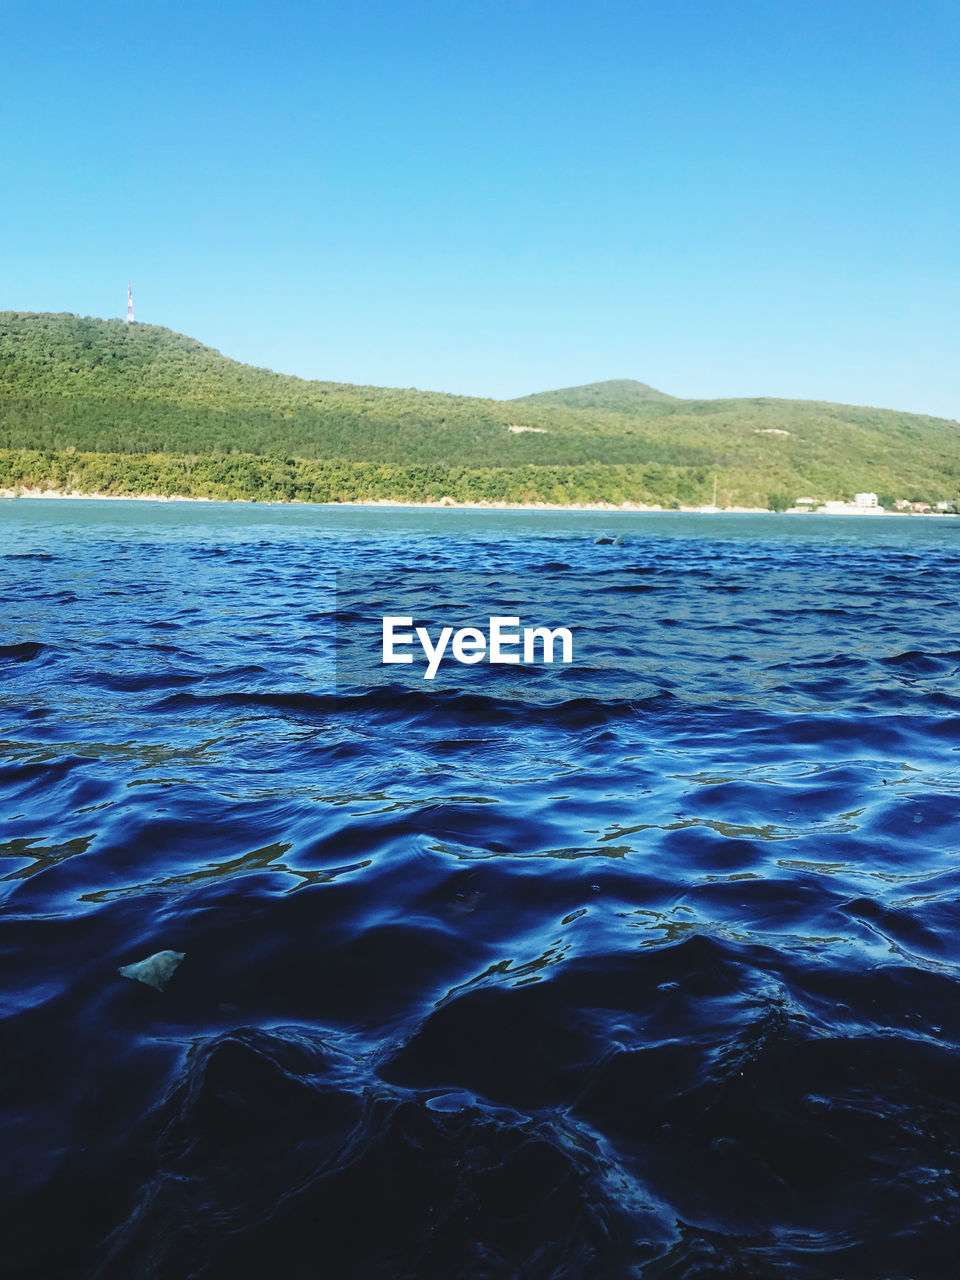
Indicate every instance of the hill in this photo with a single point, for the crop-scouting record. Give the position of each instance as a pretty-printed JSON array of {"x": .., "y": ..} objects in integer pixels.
[
  {"x": 619, "y": 395},
  {"x": 98, "y": 404}
]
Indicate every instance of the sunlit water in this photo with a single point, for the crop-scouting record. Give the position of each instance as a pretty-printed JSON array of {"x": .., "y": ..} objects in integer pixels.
[{"x": 645, "y": 966}]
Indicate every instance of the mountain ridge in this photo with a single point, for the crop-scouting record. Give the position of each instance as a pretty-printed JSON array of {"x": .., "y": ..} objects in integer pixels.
[{"x": 102, "y": 387}]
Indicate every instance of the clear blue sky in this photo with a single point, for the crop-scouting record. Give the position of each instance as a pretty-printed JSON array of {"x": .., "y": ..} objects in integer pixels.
[{"x": 719, "y": 197}]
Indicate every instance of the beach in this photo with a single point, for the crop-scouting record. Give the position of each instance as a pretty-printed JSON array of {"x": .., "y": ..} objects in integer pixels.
[{"x": 610, "y": 507}]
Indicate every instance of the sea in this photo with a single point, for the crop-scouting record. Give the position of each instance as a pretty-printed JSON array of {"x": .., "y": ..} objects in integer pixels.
[{"x": 642, "y": 964}]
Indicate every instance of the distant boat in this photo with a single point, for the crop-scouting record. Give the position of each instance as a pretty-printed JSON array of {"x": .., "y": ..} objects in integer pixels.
[{"x": 711, "y": 507}]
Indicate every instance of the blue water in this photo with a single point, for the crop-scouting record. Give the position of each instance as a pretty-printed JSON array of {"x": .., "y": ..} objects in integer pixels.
[{"x": 645, "y": 966}]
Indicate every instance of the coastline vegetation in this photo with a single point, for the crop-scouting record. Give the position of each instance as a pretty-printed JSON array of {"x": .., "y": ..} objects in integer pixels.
[
  {"x": 274, "y": 478},
  {"x": 101, "y": 406}
]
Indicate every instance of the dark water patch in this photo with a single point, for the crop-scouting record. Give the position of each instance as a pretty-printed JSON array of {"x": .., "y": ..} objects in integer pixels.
[
  {"x": 25, "y": 652},
  {"x": 128, "y": 682},
  {"x": 433, "y": 1174},
  {"x": 923, "y": 662}
]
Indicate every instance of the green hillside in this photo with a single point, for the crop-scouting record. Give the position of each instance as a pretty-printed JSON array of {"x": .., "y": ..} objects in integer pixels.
[
  {"x": 619, "y": 395},
  {"x": 101, "y": 405}
]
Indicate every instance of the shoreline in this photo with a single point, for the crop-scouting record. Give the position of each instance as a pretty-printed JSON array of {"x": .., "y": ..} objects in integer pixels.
[
  {"x": 442, "y": 503},
  {"x": 449, "y": 504}
]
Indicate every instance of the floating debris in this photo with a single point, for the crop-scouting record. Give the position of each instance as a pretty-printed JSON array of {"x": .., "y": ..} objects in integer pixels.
[{"x": 156, "y": 971}]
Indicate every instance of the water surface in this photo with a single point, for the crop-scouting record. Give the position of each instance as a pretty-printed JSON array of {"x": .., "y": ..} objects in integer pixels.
[{"x": 642, "y": 967}]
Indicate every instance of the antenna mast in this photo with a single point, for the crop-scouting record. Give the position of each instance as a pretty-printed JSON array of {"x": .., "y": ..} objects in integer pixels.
[{"x": 129, "y": 303}]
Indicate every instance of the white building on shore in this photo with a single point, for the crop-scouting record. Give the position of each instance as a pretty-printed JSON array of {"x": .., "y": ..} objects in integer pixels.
[{"x": 863, "y": 504}]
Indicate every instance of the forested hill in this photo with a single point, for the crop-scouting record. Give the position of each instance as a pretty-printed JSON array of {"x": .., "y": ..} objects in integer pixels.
[
  {"x": 79, "y": 395},
  {"x": 618, "y": 395}
]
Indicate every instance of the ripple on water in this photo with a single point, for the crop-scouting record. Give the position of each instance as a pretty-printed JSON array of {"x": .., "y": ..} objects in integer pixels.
[{"x": 646, "y": 966}]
